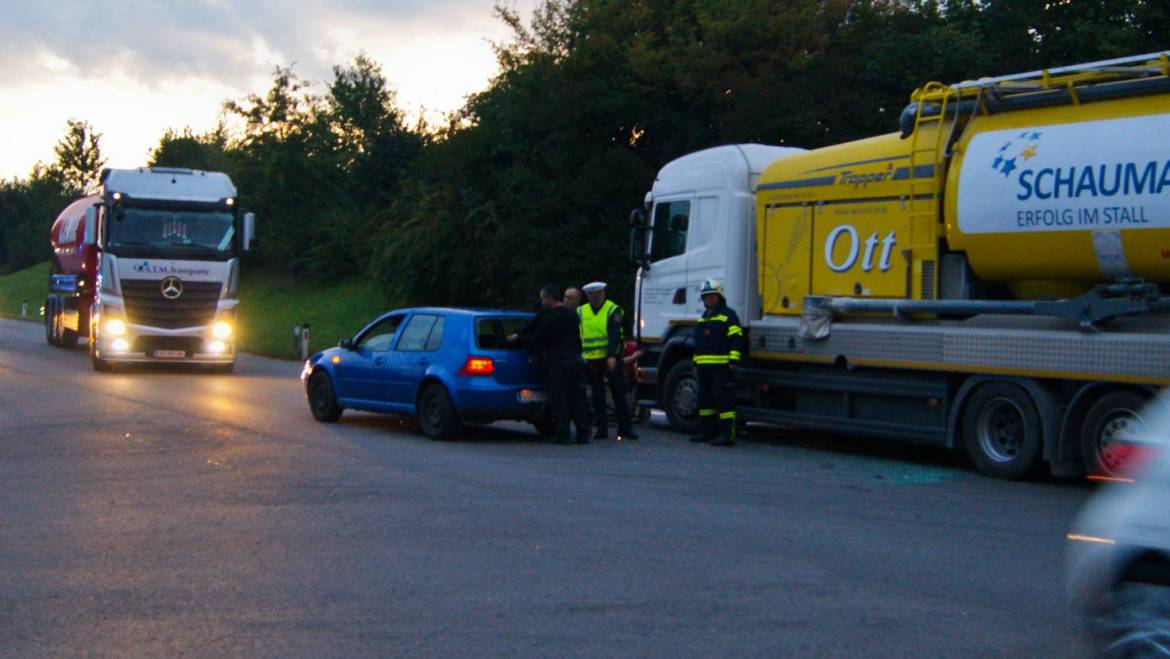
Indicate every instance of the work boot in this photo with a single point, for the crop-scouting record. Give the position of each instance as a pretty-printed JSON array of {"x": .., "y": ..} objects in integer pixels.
[
  {"x": 582, "y": 438},
  {"x": 700, "y": 439},
  {"x": 723, "y": 441},
  {"x": 601, "y": 435},
  {"x": 629, "y": 434}
]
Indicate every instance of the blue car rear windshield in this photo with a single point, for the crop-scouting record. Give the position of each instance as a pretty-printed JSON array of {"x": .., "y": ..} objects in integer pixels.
[{"x": 491, "y": 333}]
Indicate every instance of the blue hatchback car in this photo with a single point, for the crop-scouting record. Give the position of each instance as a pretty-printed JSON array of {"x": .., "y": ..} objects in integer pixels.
[{"x": 442, "y": 366}]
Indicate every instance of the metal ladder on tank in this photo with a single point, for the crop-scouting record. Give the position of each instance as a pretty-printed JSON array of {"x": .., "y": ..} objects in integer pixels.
[{"x": 927, "y": 157}]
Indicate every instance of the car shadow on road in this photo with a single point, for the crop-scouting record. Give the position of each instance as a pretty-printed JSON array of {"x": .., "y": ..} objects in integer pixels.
[{"x": 469, "y": 433}]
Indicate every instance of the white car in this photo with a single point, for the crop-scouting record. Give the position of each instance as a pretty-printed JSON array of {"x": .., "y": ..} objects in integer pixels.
[{"x": 1119, "y": 549}]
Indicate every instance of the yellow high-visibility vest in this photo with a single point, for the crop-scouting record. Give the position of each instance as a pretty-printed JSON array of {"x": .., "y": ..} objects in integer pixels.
[{"x": 595, "y": 329}]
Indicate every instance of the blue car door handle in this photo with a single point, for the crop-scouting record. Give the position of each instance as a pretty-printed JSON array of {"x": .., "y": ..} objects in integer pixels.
[{"x": 379, "y": 360}]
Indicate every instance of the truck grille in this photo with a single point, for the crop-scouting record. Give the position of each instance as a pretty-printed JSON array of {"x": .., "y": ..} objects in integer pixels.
[{"x": 145, "y": 304}]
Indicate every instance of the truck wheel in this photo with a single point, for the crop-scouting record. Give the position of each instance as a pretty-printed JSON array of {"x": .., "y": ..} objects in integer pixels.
[
  {"x": 436, "y": 413},
  {"x": 322, "y": 399},
  {"x": 1113, "y": 414},
  {"x": 100, "y": 365},
  {"x": 52, "y": 321},
  {"x": 681, "y": 397},
  {"x": 1001, "y": 430}
]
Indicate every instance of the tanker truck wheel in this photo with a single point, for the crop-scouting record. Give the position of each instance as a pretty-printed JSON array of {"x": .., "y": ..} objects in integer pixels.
[
  {"x": 1103, "y": 448},
  {"x": 1001, "y": 430},
  {"x": 52, "y": 321},
  {"x": 680, "y": 397},
  {"x": 100, "y": 365}
]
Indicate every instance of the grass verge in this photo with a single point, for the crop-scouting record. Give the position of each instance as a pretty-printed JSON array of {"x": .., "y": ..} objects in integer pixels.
[
  {"x": 270, "y": 304},
  {"x": 29, "y": 285}
]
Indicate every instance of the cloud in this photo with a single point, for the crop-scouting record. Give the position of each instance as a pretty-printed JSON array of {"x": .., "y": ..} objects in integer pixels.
[
  {"x": 224, "y": 40},
  {"x": 135, "y": 67}
]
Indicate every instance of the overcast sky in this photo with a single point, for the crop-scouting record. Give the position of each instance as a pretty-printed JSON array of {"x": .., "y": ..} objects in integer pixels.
[{"x": 133, "y": 68}]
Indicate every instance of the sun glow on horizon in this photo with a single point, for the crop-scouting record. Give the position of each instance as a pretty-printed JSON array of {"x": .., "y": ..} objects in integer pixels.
[{"x": 432, "y": 65}]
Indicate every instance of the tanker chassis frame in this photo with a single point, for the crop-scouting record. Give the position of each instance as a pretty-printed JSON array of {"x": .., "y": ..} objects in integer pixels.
[{"x": 1056, "y": 389}]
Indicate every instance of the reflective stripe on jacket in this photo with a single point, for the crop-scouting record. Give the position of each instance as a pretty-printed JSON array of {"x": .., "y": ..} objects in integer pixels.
[{"x": 718, "y": 337}]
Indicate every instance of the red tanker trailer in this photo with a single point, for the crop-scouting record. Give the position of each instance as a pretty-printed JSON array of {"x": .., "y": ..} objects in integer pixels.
[{"x": 73, "y": 280}]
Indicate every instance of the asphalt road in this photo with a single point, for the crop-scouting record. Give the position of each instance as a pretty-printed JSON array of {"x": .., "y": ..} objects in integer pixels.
[{"x": 161, "y": 513}]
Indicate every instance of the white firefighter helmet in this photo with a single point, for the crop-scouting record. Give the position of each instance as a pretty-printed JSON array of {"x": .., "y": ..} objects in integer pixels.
[{"x": 710, "y": 286}]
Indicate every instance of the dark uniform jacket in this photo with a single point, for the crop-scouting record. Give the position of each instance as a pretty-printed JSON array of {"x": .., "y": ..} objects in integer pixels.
[
  {"x": 718, "y": 337},
  {"x": 553, "y": 332}
]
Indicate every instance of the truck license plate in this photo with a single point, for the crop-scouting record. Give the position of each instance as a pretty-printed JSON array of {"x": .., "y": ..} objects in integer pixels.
[{"x": 170, "y": 354}]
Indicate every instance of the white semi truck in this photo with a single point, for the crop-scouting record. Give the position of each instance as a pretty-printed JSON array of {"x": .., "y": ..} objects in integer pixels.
[{"x": 148, "y": 269}]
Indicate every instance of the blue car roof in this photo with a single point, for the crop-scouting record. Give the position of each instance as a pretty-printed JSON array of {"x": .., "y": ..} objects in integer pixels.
[{"x": 463, "y": 311}]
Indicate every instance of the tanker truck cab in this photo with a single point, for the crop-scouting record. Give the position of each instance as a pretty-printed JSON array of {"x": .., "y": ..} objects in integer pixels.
[
  {"x": 699, "y": 224},
  {"x": 168, "y": 243}
]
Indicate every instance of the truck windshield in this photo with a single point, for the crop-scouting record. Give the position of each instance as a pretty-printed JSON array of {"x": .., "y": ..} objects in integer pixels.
[{"x": 176, "y": 233}]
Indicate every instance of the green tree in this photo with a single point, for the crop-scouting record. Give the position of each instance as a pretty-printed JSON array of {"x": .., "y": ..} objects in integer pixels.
[
  {"x": 208, "y": 152},
  {"x": 79, "y": 158}
]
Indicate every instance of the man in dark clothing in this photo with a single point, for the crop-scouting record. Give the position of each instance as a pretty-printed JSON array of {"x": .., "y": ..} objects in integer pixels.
[
  {"x": 719, "y": 346},
  {"x": 601, "y": 341},
  {"x": 555, "y": 337}
]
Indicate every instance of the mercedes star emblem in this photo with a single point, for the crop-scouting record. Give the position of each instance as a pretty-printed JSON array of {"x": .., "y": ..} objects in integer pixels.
[{"x": 171, "y": 288}]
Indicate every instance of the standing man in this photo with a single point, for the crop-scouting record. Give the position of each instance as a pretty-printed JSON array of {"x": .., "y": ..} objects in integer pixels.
[
  {"x": 601, "y": 342},
  {"x": 718, "y": 347},
  {"x": 555, "y": 337},
  {"x": 573, "y": 297}
]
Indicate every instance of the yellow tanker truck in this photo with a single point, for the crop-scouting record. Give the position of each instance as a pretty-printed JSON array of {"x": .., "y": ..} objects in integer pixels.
[{"x": 991, "y": 277}]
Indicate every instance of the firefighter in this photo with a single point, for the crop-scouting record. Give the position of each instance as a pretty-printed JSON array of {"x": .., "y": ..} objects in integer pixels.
[
  {"x": 601, "y": 345},
  {"x": 719, "y": 345}
]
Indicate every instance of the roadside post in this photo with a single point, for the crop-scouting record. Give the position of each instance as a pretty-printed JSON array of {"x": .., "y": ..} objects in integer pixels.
[{"x": 301, "y": 340}]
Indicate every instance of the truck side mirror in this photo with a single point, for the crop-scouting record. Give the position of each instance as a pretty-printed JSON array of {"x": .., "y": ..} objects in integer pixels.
[
  {"x": 637, "y": 218},
  {"x": 346, "y": 344},
  {"x": 91, "y": 216},
  {"x": 249, "y": 231}
]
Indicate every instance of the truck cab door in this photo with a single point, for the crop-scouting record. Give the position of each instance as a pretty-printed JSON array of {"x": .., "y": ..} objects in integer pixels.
[
  {"x": 665, "y": 298},
  {"x": 708, "y": 255}
]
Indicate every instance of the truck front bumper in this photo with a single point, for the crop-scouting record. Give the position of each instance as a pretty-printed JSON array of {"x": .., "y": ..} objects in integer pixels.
[{"x": 142, "y": 344}]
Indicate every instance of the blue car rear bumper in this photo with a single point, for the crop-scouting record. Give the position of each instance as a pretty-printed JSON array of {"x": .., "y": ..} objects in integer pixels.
[{"x": 497, "y": 401}]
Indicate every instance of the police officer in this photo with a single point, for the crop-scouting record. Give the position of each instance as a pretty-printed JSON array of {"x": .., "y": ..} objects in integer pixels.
[
  {"x": 719, "y": 343},
  {"x": 554, "y": 335},
  {"x": 601, "y": 342}
]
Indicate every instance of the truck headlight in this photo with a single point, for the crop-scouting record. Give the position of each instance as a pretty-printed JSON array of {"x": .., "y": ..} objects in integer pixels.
[
  {"x": 222, "y": 330},
  {"x": 120, "y": 345},
  {"x": 115, "y": 327}
]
